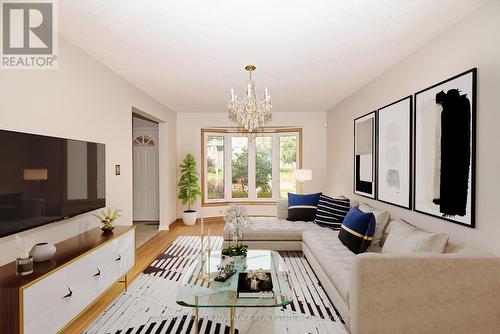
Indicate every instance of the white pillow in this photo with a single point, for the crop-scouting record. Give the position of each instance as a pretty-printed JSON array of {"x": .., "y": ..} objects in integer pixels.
[
  {"x": 406, "y": 238},
  {"x": 381, "y": 220}
]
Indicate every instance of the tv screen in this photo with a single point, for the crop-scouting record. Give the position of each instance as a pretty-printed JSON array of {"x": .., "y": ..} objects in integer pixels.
[{"x": 47, "y": 179}]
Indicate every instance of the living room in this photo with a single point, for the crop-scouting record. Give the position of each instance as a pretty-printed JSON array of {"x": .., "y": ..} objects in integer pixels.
[{"x": 334, "y": 84}]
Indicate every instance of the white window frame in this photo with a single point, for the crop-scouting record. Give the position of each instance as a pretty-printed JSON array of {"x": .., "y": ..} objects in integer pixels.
[{"x": 275, "y": 134}]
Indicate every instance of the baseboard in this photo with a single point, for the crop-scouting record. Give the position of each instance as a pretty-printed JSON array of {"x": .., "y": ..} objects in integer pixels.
[
  {"x": 179, "y": 221},
  {"x": 217, "y": 219}
]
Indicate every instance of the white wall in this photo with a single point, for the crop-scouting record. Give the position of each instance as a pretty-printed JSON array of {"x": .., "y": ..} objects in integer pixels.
[
  {"x": 473, "y": 42},
  {"x": 84, "y": 100},
  {"x": 189, "y": 127}
]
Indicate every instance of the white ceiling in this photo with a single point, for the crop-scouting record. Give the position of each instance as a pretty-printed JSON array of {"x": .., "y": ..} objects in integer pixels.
[{"x": 311, "y": 54}]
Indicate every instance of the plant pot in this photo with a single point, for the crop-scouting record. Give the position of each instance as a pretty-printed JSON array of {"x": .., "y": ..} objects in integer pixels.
[
  {"x": 235, "y": 258},
  {"x": 107, "y": 229},
  {"x": 239, "y": 258},
  {"x": 189, "y": 217},
  {"x": 43, "y": 252},
  {"x": 239, "y": 261}
]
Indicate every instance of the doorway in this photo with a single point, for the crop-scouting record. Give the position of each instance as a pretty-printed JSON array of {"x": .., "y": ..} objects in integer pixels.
[{"x": 145, "y": 155}]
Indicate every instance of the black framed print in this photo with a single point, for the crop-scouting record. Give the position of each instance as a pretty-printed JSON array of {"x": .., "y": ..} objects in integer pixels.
[
  {"x": 364, "y": 155},
  {"x": 445, "y": 117},
  {"x": 394, "y": 153}
]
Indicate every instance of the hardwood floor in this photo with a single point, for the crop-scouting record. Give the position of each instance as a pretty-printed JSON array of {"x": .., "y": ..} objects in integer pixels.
[
  {"x": 144, "y": 256},
  {"x": 145, "y": 231}
]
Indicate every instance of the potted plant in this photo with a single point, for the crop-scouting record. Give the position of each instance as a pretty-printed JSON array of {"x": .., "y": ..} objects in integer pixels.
[
  {"x": 236, "y": 220},
  {"x": 189, "y": 190},
  {"x": 107, "y": 218}
]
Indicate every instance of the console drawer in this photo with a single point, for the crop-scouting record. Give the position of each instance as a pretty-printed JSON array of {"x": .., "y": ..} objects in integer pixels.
[
  {"x": 54, "y": 300},
  {"x": 45, "y": 295}
]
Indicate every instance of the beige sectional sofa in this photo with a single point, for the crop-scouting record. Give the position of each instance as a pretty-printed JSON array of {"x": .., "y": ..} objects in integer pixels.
[{"x": 457, "y": 291}]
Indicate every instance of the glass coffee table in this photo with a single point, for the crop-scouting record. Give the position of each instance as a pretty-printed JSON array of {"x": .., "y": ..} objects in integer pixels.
[{"x": 196, "y": 290}]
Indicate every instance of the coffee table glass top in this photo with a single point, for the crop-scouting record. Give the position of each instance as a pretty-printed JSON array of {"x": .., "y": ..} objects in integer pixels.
[{"x": 196, "y": 292}]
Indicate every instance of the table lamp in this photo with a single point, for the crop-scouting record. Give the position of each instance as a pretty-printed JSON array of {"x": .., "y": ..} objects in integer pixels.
[
  {"x": 300, "y": 176},
  {"x": 35, "y": 174}
]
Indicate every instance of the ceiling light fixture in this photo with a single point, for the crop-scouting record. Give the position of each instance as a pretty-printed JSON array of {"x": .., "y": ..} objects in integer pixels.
[{"x": 250, "y": 112}]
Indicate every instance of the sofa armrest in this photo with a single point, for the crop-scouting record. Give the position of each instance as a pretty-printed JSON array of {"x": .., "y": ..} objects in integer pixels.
[
  {"x": 424, "y": 293},
  {"x": 282, "y": 209}
]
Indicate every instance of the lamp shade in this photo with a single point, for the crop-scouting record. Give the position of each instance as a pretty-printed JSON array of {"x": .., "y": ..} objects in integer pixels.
[
  {"x": 35, "y": 174},
  {"x": 302, "y": 174}
]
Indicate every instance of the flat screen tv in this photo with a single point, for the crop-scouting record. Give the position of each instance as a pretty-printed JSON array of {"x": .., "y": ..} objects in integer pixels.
[{"x": 47, "y": 179}]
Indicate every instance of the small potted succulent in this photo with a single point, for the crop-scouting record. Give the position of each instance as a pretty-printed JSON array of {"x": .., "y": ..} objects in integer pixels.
[
  {"x": 107, "y": 217},
  {"x": 189, "y": 190},
  {"x": 236, "y": 219}
]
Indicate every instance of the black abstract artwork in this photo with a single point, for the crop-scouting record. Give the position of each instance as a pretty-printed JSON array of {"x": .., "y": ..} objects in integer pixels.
[
  {"x": 364, "y": 155},
  {"x": 455, "y": 152},
  {"x": 444, "y": 149}
]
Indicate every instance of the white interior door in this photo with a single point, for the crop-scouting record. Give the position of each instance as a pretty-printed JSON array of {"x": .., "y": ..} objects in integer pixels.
[{"x": 145, "y": 156}]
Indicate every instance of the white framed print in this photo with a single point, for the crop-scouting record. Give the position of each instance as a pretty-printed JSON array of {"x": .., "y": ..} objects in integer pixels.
[
  {"x": 394, "y": 123},
  {"x": 364, "y": 155}
]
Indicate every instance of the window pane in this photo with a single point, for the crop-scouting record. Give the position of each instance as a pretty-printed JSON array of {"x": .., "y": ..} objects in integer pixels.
[
  {"x": 288, "y": 162},
  {"x": 215, "y": 167},
  {"x": 239, "y": 165},
  {"x": 264, "y": 166}
]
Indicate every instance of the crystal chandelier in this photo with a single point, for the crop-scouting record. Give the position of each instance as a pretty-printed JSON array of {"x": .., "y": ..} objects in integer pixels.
[{"x": 250, "y": 112}]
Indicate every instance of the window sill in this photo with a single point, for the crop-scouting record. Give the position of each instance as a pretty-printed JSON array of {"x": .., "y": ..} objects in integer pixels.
[{"x": 249, "y": 202}]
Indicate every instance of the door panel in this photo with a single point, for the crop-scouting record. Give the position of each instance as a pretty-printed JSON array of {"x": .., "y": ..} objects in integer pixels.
[{"x": 145, "y": 158}]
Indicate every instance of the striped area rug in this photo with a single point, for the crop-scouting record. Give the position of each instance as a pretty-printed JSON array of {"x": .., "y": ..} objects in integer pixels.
[{"x": 149, "y": 306}]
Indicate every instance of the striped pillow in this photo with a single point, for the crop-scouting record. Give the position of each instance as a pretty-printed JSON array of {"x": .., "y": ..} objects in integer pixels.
[{"x": 331, "y": 211}]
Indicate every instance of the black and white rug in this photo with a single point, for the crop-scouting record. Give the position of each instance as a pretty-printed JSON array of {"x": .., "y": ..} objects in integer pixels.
[{"x": 149, "y": 306}]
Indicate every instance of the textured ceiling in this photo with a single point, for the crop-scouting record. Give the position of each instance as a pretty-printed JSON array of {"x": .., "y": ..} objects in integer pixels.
[{"x": 311, "y": 54}]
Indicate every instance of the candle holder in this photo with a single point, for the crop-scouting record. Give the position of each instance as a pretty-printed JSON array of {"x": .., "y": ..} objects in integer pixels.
[
  {"x": 204, "y": 274},
  {"x": 24, "y": 266},
  {"x": 208, "y": 273}
]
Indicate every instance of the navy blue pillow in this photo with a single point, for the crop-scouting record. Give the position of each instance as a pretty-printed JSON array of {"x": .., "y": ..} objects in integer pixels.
[
  {"x": 302, "y": 207},
  {"x": 357, "y": 230}
]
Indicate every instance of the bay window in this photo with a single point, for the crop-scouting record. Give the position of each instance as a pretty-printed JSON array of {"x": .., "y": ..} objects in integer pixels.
[{"x": 247, "y": 167}]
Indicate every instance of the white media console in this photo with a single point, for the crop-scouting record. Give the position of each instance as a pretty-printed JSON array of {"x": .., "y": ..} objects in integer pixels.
[{"x": 84, "y": 267}]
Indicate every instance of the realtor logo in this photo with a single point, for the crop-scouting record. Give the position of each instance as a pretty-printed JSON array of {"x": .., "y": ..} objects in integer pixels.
[{"x": 29, "y": 37}]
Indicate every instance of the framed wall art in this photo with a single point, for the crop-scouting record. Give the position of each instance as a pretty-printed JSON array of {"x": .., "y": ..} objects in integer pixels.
[
  {"x": 394, "y": 153},
  {"x": 444, "y": 161},
  {"x": 364, "y": 155}
]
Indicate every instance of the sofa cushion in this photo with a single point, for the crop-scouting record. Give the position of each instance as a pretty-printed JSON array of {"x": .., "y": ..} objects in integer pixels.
[
  {"x": 302, "y": 207},
  {"x": 269, "y": 228},
  {"x": 406, "y": 238},
  {"x": 381, "y": 220},
  {"x": 331, "y": 211},
  {"x": 357, "y": 230},
  {"x": 335, "y": 258}
]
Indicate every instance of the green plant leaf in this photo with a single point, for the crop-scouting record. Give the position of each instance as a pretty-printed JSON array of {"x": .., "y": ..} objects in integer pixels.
[{"x": 189, "y": 190}]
